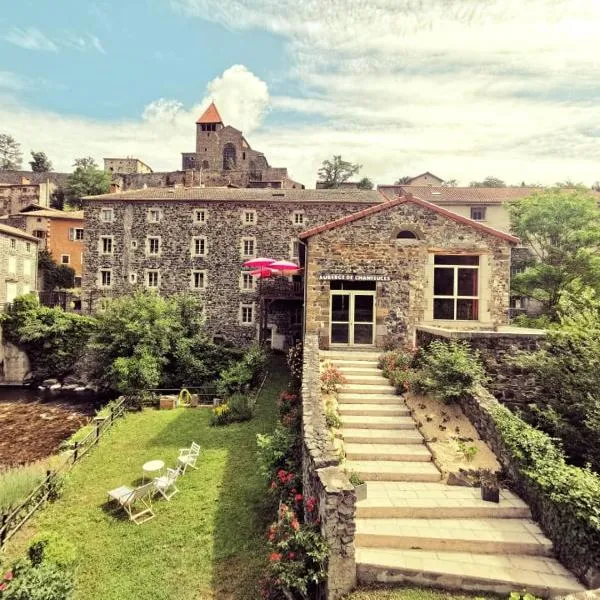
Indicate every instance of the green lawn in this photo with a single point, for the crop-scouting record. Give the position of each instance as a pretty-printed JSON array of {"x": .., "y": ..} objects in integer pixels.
[
  {"x": 413, "y": 593},
  {"x": 207, "y": 542}
]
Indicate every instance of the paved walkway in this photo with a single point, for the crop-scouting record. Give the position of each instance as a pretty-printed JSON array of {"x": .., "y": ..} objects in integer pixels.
[{"x": 412, "y": 527}]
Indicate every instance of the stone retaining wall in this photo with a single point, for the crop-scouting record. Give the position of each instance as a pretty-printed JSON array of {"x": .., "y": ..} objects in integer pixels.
[{"x": 324, "y": 479}]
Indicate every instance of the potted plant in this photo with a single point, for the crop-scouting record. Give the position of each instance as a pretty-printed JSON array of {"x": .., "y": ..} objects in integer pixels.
[{"x": 360, "y": 486}]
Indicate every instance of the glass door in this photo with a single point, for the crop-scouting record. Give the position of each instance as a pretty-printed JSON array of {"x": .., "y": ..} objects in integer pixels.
[{"x": 352, "y": 317}]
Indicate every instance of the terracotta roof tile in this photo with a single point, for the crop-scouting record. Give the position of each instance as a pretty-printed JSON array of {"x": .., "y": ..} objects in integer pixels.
[
  {"x": 458, "y": 195},
  {"x": 402, "y": 200},
  {"x": 210, "y": 115}
]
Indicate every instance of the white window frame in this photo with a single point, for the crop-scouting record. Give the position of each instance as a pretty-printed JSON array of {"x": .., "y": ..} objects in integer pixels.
[
  {"x": 243, "y": 252},
  {"x": 147, "y": 278},
  {"x": 103, "y": 238},
  {"x": 247, "y": 305},
  {"x": 107, "y": 215},
  {"x": 101, "y": 278},
  {"x": 247, "y": 277},
  {"x": 152, "y": 213},
  {"x": 249, "y": 213},
  {"x": 455, "y": 297},
  {"x": 149, "y": 240},
  {"x": 195, "y": 272},
  {"x": 63, "y": 256},
  {"x": 74, "y": 235},
  {"x": 199, "y": 238},
  {"x": 299, "y": 218},
  {"x": 198, "y": 211},
  {"x": 294, "y": 243}
]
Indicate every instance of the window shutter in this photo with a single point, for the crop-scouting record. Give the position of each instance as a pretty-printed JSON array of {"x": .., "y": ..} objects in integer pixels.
[{"x": 71, "y": 234}]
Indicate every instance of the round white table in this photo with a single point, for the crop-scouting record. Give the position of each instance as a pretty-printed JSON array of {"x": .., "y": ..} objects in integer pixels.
[{"x": 152, "y": 466}]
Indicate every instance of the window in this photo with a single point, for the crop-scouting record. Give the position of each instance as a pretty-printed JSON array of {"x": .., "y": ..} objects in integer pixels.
[
  {"x": 133, "y": 244},
  {"x": 199, "y": 246},
  {"x": 65, "y": 259},
  {"x": 247, "y": 282},
  {"x": 12, "y": 264},
  {"x": 75, "y": 233},
  {"x": 478, "y": 213},
  {"x": 405, "y": 234},
  {"x": 28, "y": 246},
  {"x": 106, "y": 215},
  {"x": 200, "y": 215},
  {"x": 229, "y": 157},
  {"x": 26, "y": 288},
  {"x": 152, "y": 278},
  {"x": 198, "y": 280},
  {"x": 249, "y": 217},
  {"x": 132, "y": 278},
  {"x": 456, "y": 288},
  {"x": 205, "y": 164},
  {"x": 105, "y": 278},
  {"x": 247, "y": 314},
  {"x": 107, "y": 244},
  {"x": 13, "y": 244},
  {"x": 298, "y": 217},
  {"x": 38, "y": 233},
  {"x": 248, "y": 247},
  {"x": 153, "y": 245},
  {"x": 27, "y": 266},
  {"x": 154, "y": 215},
  {"x": 295, "y": 245},
  {"x": 209, "y": 126}
]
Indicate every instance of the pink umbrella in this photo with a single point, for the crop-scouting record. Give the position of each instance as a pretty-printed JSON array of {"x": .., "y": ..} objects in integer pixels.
[
  {"x": 258, "y": 262},
  {"x": 263, "y": 273},
  {"x": 284, "y": 265}
]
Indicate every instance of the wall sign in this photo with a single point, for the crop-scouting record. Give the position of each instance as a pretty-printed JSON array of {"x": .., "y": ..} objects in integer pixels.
[{"x": 353, "y": 277}]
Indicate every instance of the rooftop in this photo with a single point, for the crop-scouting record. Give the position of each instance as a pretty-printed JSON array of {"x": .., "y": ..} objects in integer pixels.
[
  {"x": 7, "y": 229},
  {"x": 210, "y": 115},
  {"x": 220, "y": 194},
  {"x": 54, "y": 214}
]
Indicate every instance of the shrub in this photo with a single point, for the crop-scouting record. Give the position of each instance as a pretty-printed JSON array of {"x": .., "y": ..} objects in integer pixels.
[
  {"x": 395, "y": 360},
  {"x": 52, "y": 548},
  {"x": 241, "y": 408},
  {"x": 242, "y": 375},
  {"x": 331, "y": 378},
  {"x": 448, "y": 371},
  {"x": 221, "y": 414},
  {"x": 355, "y": 478},
  {"x": 294, "y": 360},
  {"x": 276, "y": 451},
  {"x": 45, "y": 581},
  {"x": 289, "y": 410}
]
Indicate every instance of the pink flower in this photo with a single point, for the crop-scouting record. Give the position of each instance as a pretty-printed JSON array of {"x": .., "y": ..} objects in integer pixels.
[
  {"x": 8, "y": 576},
  {"x": 291, "y": 555},
  {"x": 3, "y": 586},
  {"x": 274, "y": 556}
]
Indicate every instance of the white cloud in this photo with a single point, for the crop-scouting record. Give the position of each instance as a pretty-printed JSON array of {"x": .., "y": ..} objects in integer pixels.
[
  {"x": 30, "y": 39},
  {"x": 83, "y": 43},
  {"x": 11, "y": 81}
]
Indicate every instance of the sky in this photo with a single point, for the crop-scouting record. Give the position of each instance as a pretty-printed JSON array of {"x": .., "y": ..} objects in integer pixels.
[{"x": 462, "y": 88}]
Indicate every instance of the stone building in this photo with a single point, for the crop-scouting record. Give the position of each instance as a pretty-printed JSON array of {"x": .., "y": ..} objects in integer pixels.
[
  {"x": 18, "y": 263},
  {"x": 59, "y": 232},
  {"x": 196, "y": 239},
  {"x": 126, "y": 166},
  {"x": 426, "y": 178},
  {"x": 14, "y": 197},
  {"x": 373, "y": 276}
]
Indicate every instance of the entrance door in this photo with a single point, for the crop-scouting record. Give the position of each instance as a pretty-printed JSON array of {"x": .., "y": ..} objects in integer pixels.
[{"x": 352, "y": 317}]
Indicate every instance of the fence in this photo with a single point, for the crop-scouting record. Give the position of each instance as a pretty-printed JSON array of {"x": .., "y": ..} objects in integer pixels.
[{"x": 11, "y": 522}]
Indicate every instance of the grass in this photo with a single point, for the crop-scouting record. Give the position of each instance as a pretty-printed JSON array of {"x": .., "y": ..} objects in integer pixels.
[
  {"x": 413, "y": 593},
  {"x": 207, "y": 542}
]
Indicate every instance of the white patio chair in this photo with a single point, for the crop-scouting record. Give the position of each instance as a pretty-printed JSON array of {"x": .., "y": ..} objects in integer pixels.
[
  {"x": 137, "y": 502},
  {"x": 165, "y": 484},
  {"x": 188, "y": 457}
]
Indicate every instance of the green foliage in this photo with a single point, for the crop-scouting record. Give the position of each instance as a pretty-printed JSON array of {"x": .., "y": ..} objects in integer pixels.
[
  {"x": 275, "y": 451},
  {"x": 469, "y": 452},
  {"x": 448, "y": 371},
  {"x": 238, "y": 407},
  {"x": 51, "y": 547},
  {"x": 55, "y": 276},
  {"x": 562, "y": 229},
  {"x": 365, "y": 184},
  {"x": 524, "y": 595},
  {"x": 18, "y": 482},
  {"x": 242, "y": 375},
  {"x": 335, "y": 171},
  {"x": 541, "y": 322},
  {"x": 294, "y": 360},
  {"x": 406, "y": 179},
  {"x": 332, "y": 419},
  {"x": 396, "y": 366},
  {"x": 40, "y": 163},
  {"x": 563, "y": 498},
  {"x": 45, "y": 581},
  {"x": 489, "y": 181},
  {"x": 220, "y": 415},
  {"x": 86, "y": 180},
  {"x": 566, "y": 370},
  {"x": 54, "y": 340},
  {"x": 355, "y": 478},
  {"x": 11, "y": 158}
]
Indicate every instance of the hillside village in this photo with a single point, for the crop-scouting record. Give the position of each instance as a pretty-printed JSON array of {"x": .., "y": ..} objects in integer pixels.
[{"x": 401, "y": 378}]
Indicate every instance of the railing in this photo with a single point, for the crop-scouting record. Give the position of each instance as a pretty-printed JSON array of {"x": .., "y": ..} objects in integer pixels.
[{"x": 12, "y": 521}]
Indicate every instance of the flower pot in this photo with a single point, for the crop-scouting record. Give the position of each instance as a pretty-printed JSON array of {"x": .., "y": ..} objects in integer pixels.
[
  {"x": 167, "y": 403},
  {"x": 360, "y": 491}
]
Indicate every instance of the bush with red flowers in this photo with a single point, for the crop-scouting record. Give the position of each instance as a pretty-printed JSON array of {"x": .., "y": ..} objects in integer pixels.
[{"x": 331, "y": 378}]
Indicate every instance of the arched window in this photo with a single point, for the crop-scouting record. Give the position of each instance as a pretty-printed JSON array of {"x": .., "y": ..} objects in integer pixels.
[
  {"x": 405, "y": 234},
  {"x": 229, "y": 157}
]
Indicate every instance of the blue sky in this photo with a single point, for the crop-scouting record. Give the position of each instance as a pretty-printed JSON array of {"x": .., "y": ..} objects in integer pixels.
[{"x": 464, "y": 89}]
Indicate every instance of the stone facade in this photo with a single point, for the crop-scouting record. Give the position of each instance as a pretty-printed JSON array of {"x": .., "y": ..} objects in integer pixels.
[
  {"x": 126, "y": 166},
  {"x": 325, "y": 479},
  {"x": 369, "y": 246},
  {"x": 14, "y": 363},
  {"x": 18, "y": 264},
  {"x": 269, "y": 222}
]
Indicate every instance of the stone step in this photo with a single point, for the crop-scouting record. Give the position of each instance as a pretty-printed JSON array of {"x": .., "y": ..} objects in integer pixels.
[
  {"x": 493, "y": 573},
  {"x": 353, "y": 355},
  {"x": 377, "y": 379},
  {"x": 381, "y": 436},
  {"x": 399, "y": 410},
  {"x": 435, "y": 501},
  {"x": 390, "y": 470},
  {"x": 396, "y": 452},
  {"x": 361, "y": 364},
  {"x": 358, "y": 388},
  {"x": 378, "y": 422},
  {"x": 361, "y": 371},
  {"x": 345, "y": 398},
  {"x": 482, "y": 536}
]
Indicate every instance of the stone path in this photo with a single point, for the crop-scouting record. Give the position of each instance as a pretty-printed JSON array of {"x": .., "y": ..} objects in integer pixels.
[{"x": 412, "y": 527}]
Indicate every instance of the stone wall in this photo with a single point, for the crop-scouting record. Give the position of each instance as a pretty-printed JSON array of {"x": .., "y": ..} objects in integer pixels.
[
  {"x": 18, "y": 264},
  {"x": 369, "y": 246},
  {"x": 324, "y": 479},
  {"x": 509, "y": 384},
  {"x": 14, "y": 363}
]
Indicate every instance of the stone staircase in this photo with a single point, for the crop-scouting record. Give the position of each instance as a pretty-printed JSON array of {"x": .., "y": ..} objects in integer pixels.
[{"x": 412, "y": 527}]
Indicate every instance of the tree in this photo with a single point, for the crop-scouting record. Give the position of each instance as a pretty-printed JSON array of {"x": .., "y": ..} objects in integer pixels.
[
  {"x": 569, "y": 183},
  {"x": 365, "y": 184},
  {"x": 403, "y": 180},
  {"x": 86, "y": 180},
  {"x": 40, "y": 163},
  {"x": 57, "y": 198},
  {"x": 55, "y": 276},
  {"x": 450, "y": 183},
  {"x": 596, "y": 186},
  {"x": 335, "y": 172},
  {"x": 11, "y": 158},
  {"x": 488, "y": 182},
  {"x": 561, "y": 228}
]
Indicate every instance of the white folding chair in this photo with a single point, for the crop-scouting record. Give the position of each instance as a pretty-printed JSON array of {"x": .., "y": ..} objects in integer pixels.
[
  {"x": 188, "y": 457},
  {"x": 131, "y": 498},
  {"x": 165, "y": 484}
]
